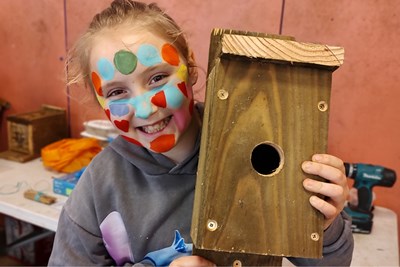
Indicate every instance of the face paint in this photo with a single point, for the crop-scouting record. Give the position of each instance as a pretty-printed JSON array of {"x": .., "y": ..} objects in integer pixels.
[
  {"x": 167, "y": 96},
  {"x": 96, "y": 81},
  {"x": 106, "y": 69},
  {"x": 173, "y": 96},
  {"x": 102, "y": 101},
  {"x": 131, "y": 140},
  {"x": 182, "y": 72},
  {"x": 148, "y": 55},
  {"x": 123, "y": 125},
  {"x": 159, "y": 100},
  {"x": 170, "y": 54},
  {"x": 141, "y": 106},
  {"x": 182, "y": 87},
  {"x": 163, "y": 143},
  {"x": 171, "y": 103},
  {"x": 119, "y": 109},
  {"x": 125, "y": 61}
]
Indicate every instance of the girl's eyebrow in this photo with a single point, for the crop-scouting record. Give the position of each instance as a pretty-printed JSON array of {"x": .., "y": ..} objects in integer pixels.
[
  {"x": 110, "y": 85},
  {"x": 155, "y": 67}
]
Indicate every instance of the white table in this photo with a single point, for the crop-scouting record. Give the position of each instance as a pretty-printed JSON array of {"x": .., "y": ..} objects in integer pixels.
[
  {"x": 380, "y": 247},
  {"x": 15, "y": 179}
]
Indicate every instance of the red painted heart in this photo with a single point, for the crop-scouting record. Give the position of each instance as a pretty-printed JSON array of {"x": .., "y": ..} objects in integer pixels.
[{"x": 122, "y": 125}]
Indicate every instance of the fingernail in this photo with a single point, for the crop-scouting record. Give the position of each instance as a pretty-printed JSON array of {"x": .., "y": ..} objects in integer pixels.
[
  {"x": 308, "y": 184},
  {"x": 307, "y": 165},
  {"x": 317, "y": 157},
  {"x": 313, "y": 200}
]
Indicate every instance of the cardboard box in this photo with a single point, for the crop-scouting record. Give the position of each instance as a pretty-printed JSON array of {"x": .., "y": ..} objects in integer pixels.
[
  {"x": 29, "y": 132},
  {"x": 65, "y": 184}
]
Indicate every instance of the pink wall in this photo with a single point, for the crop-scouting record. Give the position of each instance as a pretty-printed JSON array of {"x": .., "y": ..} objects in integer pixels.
[
  {"x": 364, "y": 115},
  {"x": 364, "y": 118}
]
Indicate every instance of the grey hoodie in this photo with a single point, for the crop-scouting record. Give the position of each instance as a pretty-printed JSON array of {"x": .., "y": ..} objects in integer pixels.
[{"x": 132, "y": 206}]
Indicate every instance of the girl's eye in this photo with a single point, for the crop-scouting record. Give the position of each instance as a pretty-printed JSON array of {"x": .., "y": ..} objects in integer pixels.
[
  {"x": 157, "y": 78},
  {"x": 116, "y": 92}
]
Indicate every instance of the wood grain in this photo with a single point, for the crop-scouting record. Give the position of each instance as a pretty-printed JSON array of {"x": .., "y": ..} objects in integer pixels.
[
  {"x": 252, "y": 101},
  {"x": 282, "y": 50}
]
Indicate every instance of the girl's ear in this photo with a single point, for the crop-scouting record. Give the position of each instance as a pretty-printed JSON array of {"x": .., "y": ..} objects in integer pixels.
[{"x": 192, "y": 68}]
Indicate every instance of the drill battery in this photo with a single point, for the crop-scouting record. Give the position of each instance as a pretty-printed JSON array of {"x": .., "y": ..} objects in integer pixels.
[{"x": 361, "y": 221}]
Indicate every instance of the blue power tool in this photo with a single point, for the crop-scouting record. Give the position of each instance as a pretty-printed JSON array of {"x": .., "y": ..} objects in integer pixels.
[{"x": 366, "y": 176}]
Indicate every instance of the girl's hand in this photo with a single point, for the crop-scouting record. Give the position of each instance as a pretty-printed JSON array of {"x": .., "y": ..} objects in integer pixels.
[
  {"x": 191, "y": 261},
  {"x": 335, "y": 188}
]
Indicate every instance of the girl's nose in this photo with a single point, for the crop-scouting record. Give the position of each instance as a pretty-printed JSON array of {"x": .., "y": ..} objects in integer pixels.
[{"x": 143, "y": 106}]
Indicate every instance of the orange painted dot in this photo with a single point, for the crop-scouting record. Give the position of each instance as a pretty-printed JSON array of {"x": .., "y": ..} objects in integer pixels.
[
  {"x": 97, "y": 83},
  {"x": 163, "y": 143},
  {"x": 170, "y": 54}
]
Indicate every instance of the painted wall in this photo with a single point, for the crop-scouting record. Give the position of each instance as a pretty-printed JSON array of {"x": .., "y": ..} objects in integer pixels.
[
  {"x": 31, "y": 51},
  {"x": 364, "y": 115}
]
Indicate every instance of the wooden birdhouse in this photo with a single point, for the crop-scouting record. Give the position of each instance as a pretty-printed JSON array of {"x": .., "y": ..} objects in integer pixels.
[
  {"x": 29, "y": 132},
  {"x": 266, "y": 111}
]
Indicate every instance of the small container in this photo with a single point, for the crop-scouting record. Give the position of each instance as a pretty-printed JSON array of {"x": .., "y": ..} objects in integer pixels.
[{"x": 100, "y": 129}]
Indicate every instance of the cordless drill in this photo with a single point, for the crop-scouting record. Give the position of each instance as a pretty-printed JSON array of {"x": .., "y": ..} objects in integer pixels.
[{"x": 366, "y": 176}]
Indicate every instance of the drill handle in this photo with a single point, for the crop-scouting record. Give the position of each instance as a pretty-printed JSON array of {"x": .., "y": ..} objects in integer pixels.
[{"x": 364, "y": 198}]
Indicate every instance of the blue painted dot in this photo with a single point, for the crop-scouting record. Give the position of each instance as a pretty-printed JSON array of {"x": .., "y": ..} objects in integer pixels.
[
  {"x": 173, "y": 96},
  {"x": 106, "y": 69},
  {"x": 119, "y": 109},
  {"x": 142, "y": 105},
  {"x": 148, "y": 55}
]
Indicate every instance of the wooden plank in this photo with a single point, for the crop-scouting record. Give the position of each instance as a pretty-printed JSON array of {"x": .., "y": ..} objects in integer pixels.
[
  {"x": 261, "y": 121},
  {"x": 282, "y": 50}
]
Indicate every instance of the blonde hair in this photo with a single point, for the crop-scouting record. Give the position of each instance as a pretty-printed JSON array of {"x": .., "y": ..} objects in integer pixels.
[{"x": 137, "y": 15}]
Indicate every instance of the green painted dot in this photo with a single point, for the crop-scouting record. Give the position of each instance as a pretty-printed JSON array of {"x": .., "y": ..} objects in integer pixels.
[{"x": 125, "y": 61}]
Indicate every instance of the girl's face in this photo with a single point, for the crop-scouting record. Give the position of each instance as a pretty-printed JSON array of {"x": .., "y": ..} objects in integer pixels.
[{"x": 142, "y": 83}]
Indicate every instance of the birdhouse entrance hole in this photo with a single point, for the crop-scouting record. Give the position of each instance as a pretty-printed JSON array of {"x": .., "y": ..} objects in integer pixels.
[{"x": 267, "y": 159}]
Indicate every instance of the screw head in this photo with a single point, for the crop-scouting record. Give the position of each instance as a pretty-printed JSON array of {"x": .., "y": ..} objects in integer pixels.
[
  {"x": 222, "y": 94},
  {"x": 322, "y": 106},
  {"x": 237, "y": 263},
  {"x": 314, "y": 236},
  {"x": 212, "y": 225}
]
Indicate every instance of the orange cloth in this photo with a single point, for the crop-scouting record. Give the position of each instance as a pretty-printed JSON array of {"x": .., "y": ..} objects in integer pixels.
[{"x": 70, "y": 155}]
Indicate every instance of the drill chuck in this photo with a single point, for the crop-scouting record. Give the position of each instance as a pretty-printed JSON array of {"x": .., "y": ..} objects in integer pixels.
[{"x": 350, "y": 169}]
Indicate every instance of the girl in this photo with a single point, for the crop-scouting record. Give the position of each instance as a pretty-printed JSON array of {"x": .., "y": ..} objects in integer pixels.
[{"x": 135, "y": 198}]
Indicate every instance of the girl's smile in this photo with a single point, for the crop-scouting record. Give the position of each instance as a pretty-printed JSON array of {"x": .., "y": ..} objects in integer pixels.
[{"x": 155, "y": 127}]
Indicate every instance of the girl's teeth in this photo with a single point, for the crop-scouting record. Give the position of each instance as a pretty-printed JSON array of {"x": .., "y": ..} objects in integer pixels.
[{"x": 150, "y": 129}]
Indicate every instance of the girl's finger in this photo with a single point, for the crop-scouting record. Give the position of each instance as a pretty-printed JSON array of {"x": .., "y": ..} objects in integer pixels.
[
  {"x": 328, "y": 172},
  {"x": 327, "y": 209},
  {"x": 333, "y": 191},
  {"x": 329, "y": 160}
]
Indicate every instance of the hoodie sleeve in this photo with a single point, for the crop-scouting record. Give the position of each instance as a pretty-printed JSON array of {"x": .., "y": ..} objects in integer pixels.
[
  {"x": 74, "y": 246},
  {"x": 337, "y": 247}
]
